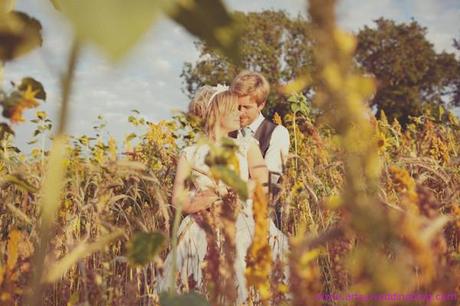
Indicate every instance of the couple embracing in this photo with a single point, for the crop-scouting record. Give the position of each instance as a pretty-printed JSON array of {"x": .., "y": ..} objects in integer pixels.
[{"x": 262, "y": 148}]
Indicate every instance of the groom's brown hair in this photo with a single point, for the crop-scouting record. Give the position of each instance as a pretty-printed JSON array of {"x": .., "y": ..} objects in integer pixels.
[{"x": 252, "y": 84}]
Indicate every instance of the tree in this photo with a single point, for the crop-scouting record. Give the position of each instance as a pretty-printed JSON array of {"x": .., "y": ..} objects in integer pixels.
[
  {"x": 456, "y": 96},
  {"x": 410, "y": 73},
  {"x": 274, "y": 44}
]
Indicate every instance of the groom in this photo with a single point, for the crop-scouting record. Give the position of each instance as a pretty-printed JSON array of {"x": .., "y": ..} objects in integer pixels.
[{"x": 253, "y": 89}]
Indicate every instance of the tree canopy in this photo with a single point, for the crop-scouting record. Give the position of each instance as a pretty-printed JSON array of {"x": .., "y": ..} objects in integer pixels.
[
  {"x": 274, "y": 44},
  {"x": 409, "y": 72}
]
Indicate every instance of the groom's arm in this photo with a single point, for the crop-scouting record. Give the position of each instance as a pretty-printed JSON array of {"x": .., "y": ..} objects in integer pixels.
[
  {"x": 278, "y": 150},
  {"x": 257, "y": 168}
]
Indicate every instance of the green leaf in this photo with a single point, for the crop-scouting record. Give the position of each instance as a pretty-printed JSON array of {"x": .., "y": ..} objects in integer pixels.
[
  {"x": 144, "y": 247},
  {"x": 210, "y": 21},
  {"x": 113, "y": 25},
  {"x": 130, "y": 137},
  {"x": 84, "y": 140},
  {"x": 132, "y": 119},
  {"x": 15, "y": 149},
  {"x": 231, "y": 179},
  {"x": 295, "y": 107},
  {"x": 293, "y": 99},
  {"x": 36, "y": 86},
  {"x": 304, "y": 109},
  {"x": 56, "y": 4},
  {"x": 7, "y": 5},
  {"x": 19, "y": 34},
  {"x": 189, "y": 299}
]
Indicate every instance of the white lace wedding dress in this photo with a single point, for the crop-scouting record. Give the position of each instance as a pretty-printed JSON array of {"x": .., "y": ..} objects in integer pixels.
[{"x": 192, "y": 244}]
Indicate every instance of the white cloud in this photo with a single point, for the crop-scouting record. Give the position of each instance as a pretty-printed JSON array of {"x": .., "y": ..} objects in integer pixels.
[
  {"x": 354, "y": 14},
  {"x": 440, "y": 17}
]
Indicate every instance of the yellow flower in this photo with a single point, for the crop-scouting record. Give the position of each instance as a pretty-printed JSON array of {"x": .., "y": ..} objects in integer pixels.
[
  {"x": 41, "y": 115},
  {"x": 283, "y": 288},
  {"x": 277, "y": 119},
  {"x": 404, "y": 183},
  {"x": 99, "y": 153},
  {"x": 36, "y": 152},
  {"x": 28, "y": 97}
]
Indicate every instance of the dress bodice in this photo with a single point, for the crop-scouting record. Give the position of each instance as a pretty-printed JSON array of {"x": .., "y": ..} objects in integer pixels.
[{"x": 196, "y": 154}]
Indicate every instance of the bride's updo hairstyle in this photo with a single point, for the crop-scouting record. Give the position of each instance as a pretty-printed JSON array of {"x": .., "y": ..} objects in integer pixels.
[
  {"x": 199, "y": 104},
  {"x": 222, "y": 103}
]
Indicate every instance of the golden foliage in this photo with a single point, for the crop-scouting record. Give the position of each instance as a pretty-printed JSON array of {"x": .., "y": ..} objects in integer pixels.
[
  {"x": 259, "y": 258},
  {"x": 129, "y": 194},
  {"x": 393, "y": 191}
]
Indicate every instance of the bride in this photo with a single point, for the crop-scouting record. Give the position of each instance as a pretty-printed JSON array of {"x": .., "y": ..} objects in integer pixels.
[{"x": 222, "y": 117}]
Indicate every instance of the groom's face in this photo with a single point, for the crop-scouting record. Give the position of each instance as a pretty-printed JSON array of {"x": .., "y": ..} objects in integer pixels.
[{"x": 249, "y": 110}]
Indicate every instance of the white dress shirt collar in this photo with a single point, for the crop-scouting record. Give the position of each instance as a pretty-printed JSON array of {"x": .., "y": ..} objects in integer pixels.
[{"x": 256, "y": 123}]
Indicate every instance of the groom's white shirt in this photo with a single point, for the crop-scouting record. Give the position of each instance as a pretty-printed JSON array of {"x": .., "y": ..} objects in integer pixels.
[{"x": 278, "y": 149}]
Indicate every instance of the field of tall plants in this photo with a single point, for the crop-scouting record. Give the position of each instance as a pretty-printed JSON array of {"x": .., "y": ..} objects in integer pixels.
[
  {"x": 114, "y": 200},
  {"x": 371, "y": 208}
]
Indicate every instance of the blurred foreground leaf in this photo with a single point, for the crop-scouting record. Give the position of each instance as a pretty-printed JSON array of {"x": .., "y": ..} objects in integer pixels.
[
  {"x": 53, "y": 183},
  {"x": 80, "y": 251},
  {"x": 144, "y": 247},
  {"x": 231, "y": 179},
  {"x": 117, "y": 25},
  {"x": 19, "y": 34},
  {"x": 296, "y": 86},
  {"x": 210, "y": 21},
  {"x": 189, "y": 299},
  {"x": 113, "y": 25},
  {"x": 14, "y": 238},
  {"x": 7, "y": 5},
  {"x": 259, "y": 256},
  {"x": 56, "y": 4}
]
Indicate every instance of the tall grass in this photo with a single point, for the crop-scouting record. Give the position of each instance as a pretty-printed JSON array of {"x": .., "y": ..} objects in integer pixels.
[{"x": 369, "y": 206}]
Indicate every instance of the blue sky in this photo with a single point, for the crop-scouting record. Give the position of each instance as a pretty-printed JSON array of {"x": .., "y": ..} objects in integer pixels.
[{"x": 148, "y": 79}]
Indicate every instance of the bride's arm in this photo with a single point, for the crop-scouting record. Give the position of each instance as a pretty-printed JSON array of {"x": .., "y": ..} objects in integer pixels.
[
  {"x": 257, "y": 167},
  {"x": 182, "y": 196}
]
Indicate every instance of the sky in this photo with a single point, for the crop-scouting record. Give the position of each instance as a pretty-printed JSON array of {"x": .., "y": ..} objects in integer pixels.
[{"x": 148, "y": 79}]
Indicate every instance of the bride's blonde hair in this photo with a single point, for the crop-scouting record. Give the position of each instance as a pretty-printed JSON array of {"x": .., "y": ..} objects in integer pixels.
[
  {"x": 200, "y": 101},
  {"x": 222, "y": 103}
]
